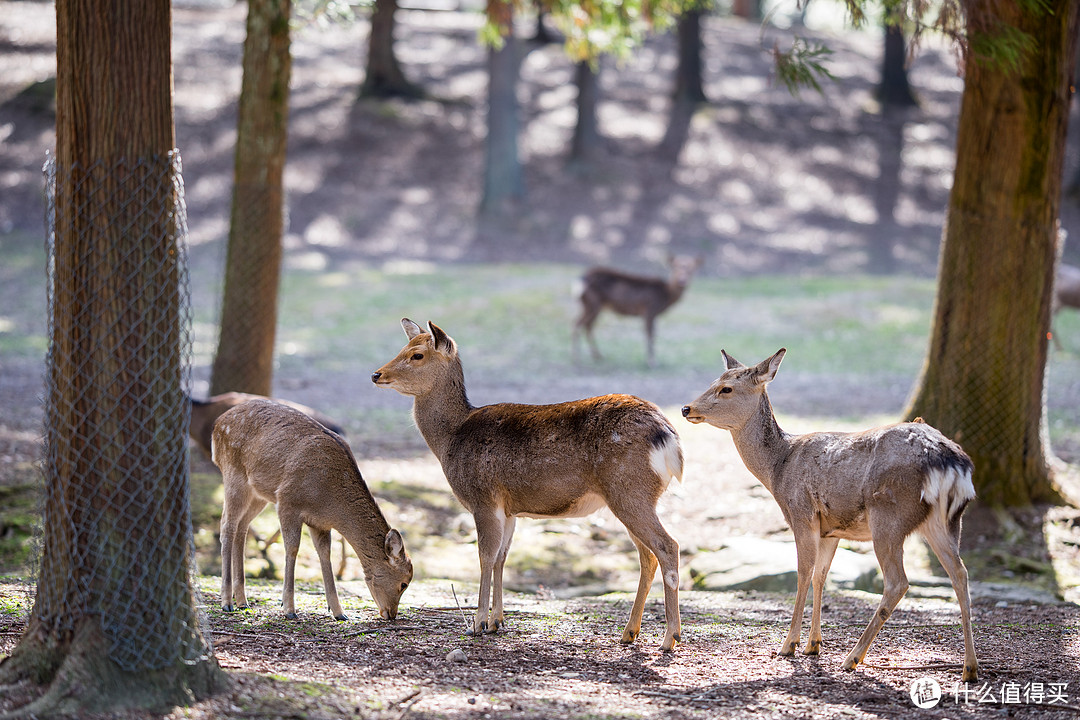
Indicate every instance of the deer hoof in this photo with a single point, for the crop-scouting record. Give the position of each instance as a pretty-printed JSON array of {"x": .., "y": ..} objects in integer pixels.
[
  {"x": 971, "y": 673},
  {"x": 628, "y": 637},
  {"x": 851, "y": 663},
  {"x": 292, "y": 616},
  {"x": 812, "y": 648},
  {"x": 787, "y": 650},
  {"x": 341, "y": 617}
]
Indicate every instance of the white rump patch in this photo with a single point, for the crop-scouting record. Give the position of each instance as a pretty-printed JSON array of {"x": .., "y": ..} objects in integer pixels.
[
  {"x": 666, "y": 461},
  {"x": 947, "y": 489}
]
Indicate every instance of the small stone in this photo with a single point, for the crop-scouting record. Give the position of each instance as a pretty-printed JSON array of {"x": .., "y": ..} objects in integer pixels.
[{"x": 457, "y": 655}]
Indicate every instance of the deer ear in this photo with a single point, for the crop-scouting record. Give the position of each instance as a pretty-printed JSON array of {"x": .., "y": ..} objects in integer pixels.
[
  {"x": 765, "y": 370},
  {"x": 443, "y": 342},
  {"x": 730, "y": 362},
  {"x": 395, "y": 547},
  {"x": 411, "y": 328}
]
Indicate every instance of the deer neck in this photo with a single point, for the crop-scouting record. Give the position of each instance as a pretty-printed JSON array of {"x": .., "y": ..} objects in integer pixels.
[
  {"x": 761, "y": 443},
  {"x": 440, "y": 412},
  {"x": 362, "y": 524}
]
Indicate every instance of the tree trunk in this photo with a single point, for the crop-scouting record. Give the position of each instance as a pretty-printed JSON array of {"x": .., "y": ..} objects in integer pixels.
[
  {"x": 689, "y": 85},
  {"x": 894, "y": 88},
  {"x": 983, "y": 380},
  {"x": 385, "y": 77},
  {"x": 245, "y": 354},
  {"x": 586, "y": 140},
  {"x": 115, "y": 621},
  {"x": 503, "y": 182}
]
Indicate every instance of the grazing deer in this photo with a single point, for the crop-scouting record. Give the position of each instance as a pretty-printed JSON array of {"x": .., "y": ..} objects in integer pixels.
[
  {"x": 508, "y": 460},
  {"x": 204, "y": 413},
  {"x": 879, "y": 485},
  {"x": 271, "y": 453},
  {"x": 633, "y": 295}
]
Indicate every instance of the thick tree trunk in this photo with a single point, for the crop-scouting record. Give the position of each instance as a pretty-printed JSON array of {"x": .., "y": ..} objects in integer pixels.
[
  {"x": 983, "y": 380},
  {"x": 689, "y": 84},
  {"x": 504, "y": 185},
  {"x": 894, "y": 88},
  {"x": 585, "y": 142},
  {"x": 115, "y": 621},
  {"x": 384, "y": 77},
  {"x": 245, "y": 354}
]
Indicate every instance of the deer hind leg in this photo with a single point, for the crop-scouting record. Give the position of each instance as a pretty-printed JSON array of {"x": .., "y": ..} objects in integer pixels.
[
  {"x": 321, "y": 539},
  {"x": 946, "y": 545},
  {"x": 240, "y": 509},
  {"x": 648, "y": 572},
  {"x": 291, "y": 527},
  {"x": 489, "y": 540},
  {"x": 497, "y": 618},
  {"x": 806, "y": 547},
  {"x": 645, "y": 528},
  {"x": 889, "y": 549},
  {"x": 825, "y": 551}
]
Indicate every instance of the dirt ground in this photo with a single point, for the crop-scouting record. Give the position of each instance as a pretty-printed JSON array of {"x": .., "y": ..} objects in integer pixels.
[{"x": 757, "y": 182}]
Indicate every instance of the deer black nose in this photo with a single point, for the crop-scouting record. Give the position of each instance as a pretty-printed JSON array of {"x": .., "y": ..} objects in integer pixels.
[
  {"x": 686, "y": 411},
  {"x": 375, "y": 376}
]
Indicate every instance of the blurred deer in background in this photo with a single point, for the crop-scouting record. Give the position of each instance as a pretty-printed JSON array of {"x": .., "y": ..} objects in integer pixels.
[
  {"x": 204, "y": 413},
  {"x": 879, "y": 485},
  {"x": 632, "y": 295},
  {"x": 509, "y": 460},
  {"x": 271, "y": 453}
]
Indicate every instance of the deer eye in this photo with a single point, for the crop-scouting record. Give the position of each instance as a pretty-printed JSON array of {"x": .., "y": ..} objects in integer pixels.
[
  {"x": 403, "y": 586},
  {"x": 417, "y": 356},
  {"x": 724, "y": 390}
]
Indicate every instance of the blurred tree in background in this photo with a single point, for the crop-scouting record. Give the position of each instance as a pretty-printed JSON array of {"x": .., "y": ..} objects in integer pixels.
[{"x": 245, "y": 355}]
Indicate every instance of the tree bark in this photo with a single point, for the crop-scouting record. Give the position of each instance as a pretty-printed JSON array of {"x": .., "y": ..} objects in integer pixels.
[
  {"x": 504, "y": 185},
  {"x": 689, "y": 83},
  {"x": 115, "y": 621},
  {"x": 245, "y": 354},
  {"x": 894, "y": 88},
  {"x": 384, "y": 77},
  {"x": 585, "y": 142},
  {"x": 983, "y": 380}
]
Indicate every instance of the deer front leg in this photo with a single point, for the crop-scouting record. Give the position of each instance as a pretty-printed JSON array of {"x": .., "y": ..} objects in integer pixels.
[
  {"x": 650, "y": 332},
  {"x": 497, "y": 618},
  {"x": 890, "y": 555},
  {"x": 321, "y": 538},
  {"x": 825, "y": 552},
  {"x": 290, "y": 536},
  {"x": 489, "y": 530},
  {"x": 806, "y": 558}
]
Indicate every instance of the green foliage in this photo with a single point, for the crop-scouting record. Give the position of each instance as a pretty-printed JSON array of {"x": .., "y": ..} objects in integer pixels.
[
  {"x": 802, "y": 65},
  {"x": 1003, "y": 47}
]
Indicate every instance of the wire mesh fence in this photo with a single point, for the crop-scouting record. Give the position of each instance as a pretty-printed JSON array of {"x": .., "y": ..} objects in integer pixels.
[{"x": 116, "y": 537}]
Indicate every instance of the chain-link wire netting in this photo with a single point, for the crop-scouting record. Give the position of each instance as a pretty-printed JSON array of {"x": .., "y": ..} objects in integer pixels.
[{"x": 116, "y": 537}]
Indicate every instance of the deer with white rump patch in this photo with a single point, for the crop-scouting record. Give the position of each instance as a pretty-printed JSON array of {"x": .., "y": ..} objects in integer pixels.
[
  {"x": 879, "y": 485},
  {"x": 269, "y": 452},
  {"x": 509, "y": 460}
]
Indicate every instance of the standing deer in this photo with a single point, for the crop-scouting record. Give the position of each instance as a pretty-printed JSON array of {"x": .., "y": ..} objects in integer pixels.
[
  {"x": 508, "y": 460},
  {"x": 879, "y": 485},
  {"x": 633, "y": 295},
  {"x": 269, "y": 452},
  {"x": 204, "y": 413}
]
